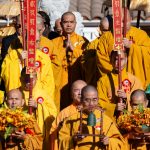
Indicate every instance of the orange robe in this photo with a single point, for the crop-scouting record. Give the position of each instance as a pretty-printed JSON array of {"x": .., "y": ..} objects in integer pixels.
[
  {"x": 66, "y": 67},
  {"x": 107, "y": 87},
  {"x": 71, "y": 127}
]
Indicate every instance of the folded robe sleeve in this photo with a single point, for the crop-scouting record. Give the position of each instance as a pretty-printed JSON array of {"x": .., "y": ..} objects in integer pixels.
[{"x": 104, "y": 48}]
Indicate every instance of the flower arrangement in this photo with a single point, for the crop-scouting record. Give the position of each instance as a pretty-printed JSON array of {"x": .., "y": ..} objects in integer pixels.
[
  {"x": 18, "y": 119},
  {"x": 137, "y": 119}
]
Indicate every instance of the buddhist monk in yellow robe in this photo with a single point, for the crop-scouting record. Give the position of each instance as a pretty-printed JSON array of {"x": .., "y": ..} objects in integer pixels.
[
  {"x": 68, "y": 138},
  {"x": 88, "y": 60},
  {"x": 65, "y": 58},
  {"x": 135, "y": 142},
  {"x": 33, "y": 140},
  {"x": 14, "y": 62},
  {"x": 43, "y": 105},
  {"x": 108, "y": 86},
  {"x": 138, "y": 50},
  {"x": 68, "y": 111}
]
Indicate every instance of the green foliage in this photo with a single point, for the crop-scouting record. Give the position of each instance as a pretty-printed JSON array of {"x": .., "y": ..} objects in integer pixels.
[{"x": 8, "y": 132}]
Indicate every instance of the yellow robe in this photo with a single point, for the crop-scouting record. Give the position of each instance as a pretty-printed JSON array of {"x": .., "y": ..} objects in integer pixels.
[
  {"x": 88, "y": 61},
  {"x": 32, "y": 142},
  {"x": 1, "y": 97},
  {"x": 138, "y": 57},
  {"x": 56, "y": 125},
  {"x": 71, "y": 126},
  {"x": 46, "y": 111},
  {"x": 45, "y": 45},
  {"x": 65, "y": 113},
  {"x": 66, "y": 73},
  {"x": 12, "y": 67},
  {"x": 107, "y": 87}
]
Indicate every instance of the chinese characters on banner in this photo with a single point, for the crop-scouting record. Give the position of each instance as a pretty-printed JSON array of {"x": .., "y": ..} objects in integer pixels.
[
  {"x": 117, "y": 20},
  {"x": 31, "y": 35}
]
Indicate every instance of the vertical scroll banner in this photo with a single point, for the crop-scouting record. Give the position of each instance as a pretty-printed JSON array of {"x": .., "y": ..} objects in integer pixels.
[
  {"x": 117, "y": 21},
  {"x": 31, "y": 35}
]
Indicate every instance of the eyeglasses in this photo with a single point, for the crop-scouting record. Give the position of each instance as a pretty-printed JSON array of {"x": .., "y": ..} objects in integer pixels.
[{"x": 89, "y": 100}]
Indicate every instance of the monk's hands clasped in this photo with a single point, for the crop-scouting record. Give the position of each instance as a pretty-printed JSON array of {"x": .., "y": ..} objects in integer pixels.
[
  {"x": 69, "y": 44},
  {"x": 32, "y": 103}
]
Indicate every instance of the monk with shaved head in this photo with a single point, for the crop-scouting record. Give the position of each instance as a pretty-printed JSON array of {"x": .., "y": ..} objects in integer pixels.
[
  {"x": 106, "y": 24},
  {"x": 108, "y": 86},
  {"x": 138, "y": 100},
  {"x": 138, "y": 97},
  {"x": 22, "y": 139},
  {"x": 68, "y": 111},
  {"x": 68, "y": 137},
  {"x": 66, "y": 54}
]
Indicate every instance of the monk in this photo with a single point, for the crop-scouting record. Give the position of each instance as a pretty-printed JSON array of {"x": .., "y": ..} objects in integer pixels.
[
  {"x": 88, "y": 60},
  {"x": 14, "y": 62},
  {"x": 69, "y": 139},
  {"x": 107, "y": 87},
  {"x": 65, "y": 57},
  {"x": 138, "y": 97},
  {"x": 15, "y": 99},
  {"x": 138, "y": 50},
  {"x": 43, "y": 106},
  {"x": 68, "y": 111}
]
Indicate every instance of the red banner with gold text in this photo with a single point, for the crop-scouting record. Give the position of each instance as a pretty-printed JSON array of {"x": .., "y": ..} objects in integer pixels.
[
  {"x": 117, "y": 21},
  {"x": 31, "y": 35}
]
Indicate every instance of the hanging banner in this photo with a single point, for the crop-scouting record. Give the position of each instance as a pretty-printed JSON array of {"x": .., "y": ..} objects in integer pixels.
[
  {"x": 31, "y": 35},
  {"x": 117, "y": 21}
]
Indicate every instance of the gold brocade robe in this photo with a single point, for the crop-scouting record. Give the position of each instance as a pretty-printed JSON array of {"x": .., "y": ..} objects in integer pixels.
[
  {"x": 71, "y": 127},
  {"x": 138, "y": 54},
  {"x": 107, "y": 87},
  {"x": 45, "y": 113},
  {"x": 66, "y": 67}
]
